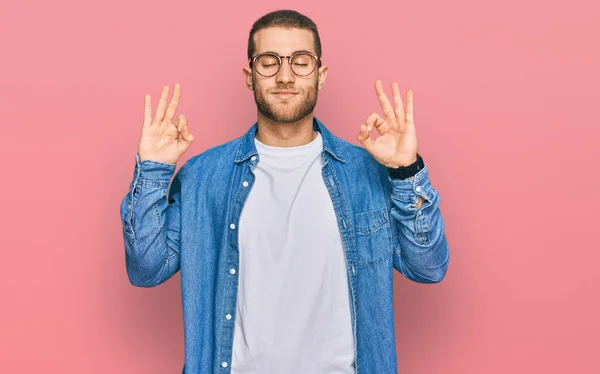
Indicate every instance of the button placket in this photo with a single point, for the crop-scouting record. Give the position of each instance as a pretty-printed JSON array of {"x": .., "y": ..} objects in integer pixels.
[{"x": 243, "y": 182}]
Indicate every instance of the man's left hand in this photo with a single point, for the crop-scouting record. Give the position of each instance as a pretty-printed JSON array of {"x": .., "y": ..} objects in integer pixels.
[{"x": 397, "y": 144}]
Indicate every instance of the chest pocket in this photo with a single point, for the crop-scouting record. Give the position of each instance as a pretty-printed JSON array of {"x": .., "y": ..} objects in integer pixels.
[{"x": 373, "y": 236}]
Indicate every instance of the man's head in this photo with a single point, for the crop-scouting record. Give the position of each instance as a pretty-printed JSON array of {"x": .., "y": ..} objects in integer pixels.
[{"x": 284, "y": 33}]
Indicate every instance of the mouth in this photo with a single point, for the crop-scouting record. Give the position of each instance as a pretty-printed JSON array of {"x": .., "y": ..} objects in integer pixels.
[{"x": 284, "y": 94}]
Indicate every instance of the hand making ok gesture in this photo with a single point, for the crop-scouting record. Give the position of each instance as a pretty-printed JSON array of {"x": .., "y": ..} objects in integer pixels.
[
  {"x": 396, "y": 144},
  {"x": 164, "y": 138}
]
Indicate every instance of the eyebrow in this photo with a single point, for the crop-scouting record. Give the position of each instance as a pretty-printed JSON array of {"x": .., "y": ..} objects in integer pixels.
[{"x": 302, "y": 50}]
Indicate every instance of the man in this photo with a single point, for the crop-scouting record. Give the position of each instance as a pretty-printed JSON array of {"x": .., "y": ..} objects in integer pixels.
[{"x": 287, "y": 236}]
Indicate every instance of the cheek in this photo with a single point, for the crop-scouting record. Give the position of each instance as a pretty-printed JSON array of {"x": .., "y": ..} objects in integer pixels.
[{"x": 261, "y": 87}]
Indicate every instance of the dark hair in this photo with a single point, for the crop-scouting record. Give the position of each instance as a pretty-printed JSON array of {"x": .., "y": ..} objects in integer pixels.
[{"x": 284, "y": 18}]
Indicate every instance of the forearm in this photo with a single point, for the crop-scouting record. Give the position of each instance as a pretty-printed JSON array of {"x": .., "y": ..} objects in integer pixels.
[
  {"x": 150, "y": 224},
  {"x": 420, "y": 202},
  {"x": 421, "y": 250}
]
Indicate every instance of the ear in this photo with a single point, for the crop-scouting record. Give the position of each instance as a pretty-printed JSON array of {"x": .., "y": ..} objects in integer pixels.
[
  {"x": 322, "y": 76},
  {"x": 248, "y": 76}
]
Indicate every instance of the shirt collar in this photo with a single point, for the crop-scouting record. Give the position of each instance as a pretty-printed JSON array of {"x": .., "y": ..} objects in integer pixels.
[{"x": 246, "y": 147}]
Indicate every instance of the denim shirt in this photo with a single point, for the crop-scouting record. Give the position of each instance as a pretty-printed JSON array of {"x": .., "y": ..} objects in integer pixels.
[{"x": 194, "y": 229}]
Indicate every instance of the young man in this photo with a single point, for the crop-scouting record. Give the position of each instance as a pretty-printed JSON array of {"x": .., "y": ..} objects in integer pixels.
[{"x": 286, "y": 237}]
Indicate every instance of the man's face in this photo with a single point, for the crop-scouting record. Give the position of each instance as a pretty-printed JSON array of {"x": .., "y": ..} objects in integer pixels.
[{"x": 301, "y": 96}]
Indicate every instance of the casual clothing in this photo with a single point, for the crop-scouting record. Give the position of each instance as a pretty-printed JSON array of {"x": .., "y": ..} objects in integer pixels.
[
  {"x": 200, "y": 228},
  {"x": 293, "y": 309}
]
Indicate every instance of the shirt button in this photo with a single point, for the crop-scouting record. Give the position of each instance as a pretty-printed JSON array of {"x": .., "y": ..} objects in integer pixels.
[
  {"x": 232, "y": 271},
  {"x": 224, "y": 364},
  {"x": 253, "y": 158},
  {"x": 228, "y": 317},
  {"x": 245, "y": 184},
  {"x": 418, "y": 188},
  {"x": 232, "y": 226}
]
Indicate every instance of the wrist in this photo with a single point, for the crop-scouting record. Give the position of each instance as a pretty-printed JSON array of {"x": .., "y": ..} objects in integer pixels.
[
  {"x": 406, "y": 164},
  {"x": 404, "y": 172}
]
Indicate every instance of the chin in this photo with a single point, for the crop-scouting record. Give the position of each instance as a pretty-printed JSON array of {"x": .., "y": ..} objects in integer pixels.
[
  {"x": 284, "y": 114},
  {"x": 285, "y": 117}
]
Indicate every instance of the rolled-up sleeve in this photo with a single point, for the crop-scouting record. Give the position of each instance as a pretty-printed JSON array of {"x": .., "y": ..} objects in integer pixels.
[{"x": 421, "y": 251}]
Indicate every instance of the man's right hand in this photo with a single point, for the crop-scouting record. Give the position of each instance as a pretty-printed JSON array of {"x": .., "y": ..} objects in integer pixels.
[{"x": 164, "y": 139}]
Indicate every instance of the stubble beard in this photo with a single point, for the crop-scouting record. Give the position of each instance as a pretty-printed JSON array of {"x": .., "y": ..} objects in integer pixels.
[{"x": 284, "y": 111}]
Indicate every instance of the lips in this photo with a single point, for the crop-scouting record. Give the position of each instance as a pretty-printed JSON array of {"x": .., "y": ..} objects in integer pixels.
[{"x": 284, "y": 94}]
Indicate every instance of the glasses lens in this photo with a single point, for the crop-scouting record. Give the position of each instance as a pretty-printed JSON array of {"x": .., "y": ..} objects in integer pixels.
[
  {"x": 267, "y": 65},
  {"x": 303, "y": 64}
]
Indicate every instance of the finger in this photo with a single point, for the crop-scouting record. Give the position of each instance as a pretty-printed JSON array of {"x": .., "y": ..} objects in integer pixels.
[
  {"x": 186, "y": 135},
  {"x": 364, "y": 138},
  {"x": 174, "y": 103},
  {"x": 182, "y": 124},
  {"x": 162, "y": 105},
  {"x": 147, "y": 110},
  {"x": 386, "y": 106},
  {"x": 378, "y": 122},
  {"x": 398, "y": 106},
  {"x": 410, "y": 106},
  {"x": 178, "y": 123}
]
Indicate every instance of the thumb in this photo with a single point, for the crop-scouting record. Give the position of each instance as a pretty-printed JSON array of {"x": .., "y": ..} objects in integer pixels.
[{"x": 365, "y": 138}]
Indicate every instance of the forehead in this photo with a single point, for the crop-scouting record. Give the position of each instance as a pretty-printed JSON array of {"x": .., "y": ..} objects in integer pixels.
[{"x": 283, "y": 41}]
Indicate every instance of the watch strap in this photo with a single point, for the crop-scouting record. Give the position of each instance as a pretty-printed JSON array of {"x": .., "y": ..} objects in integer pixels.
[{"x": 408, "y": 171}]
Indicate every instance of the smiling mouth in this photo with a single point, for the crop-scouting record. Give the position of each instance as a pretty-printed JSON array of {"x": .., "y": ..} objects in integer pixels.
[{"x": 284, "y": 94}]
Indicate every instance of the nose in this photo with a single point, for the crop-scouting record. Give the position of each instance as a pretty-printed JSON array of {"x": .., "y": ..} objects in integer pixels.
[{"x": 285, "y": 73}]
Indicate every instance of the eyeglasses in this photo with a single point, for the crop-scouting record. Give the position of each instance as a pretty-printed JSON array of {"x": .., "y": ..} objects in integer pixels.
[{"x": 268, "y": 64}]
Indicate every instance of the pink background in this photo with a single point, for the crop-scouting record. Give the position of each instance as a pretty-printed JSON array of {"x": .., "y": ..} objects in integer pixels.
[{"x": 506, "y": 107}]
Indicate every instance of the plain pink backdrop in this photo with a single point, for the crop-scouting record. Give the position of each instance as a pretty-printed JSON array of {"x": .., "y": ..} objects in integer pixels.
[{"x": 506, "y": 108}]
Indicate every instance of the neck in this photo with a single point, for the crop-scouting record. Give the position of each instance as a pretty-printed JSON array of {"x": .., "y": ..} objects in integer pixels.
[{"x": 279, "y": 134}]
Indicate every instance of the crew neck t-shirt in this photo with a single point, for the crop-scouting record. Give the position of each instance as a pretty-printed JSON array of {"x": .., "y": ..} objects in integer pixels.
[{"x": 293, "y": 306}]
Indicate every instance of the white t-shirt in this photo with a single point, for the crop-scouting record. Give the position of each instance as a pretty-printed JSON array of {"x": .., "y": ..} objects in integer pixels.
[{"x": 293, "y": 306}]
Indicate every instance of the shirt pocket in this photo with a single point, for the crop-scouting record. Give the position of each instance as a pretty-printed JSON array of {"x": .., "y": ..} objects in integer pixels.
[{"x": 373, "y": 237}]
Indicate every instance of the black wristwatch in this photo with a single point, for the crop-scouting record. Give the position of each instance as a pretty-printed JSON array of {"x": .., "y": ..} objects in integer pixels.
[{"x": 404, "y": 172}]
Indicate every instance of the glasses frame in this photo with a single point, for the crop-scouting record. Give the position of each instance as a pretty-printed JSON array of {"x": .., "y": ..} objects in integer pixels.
[{"x": 317, "y": 59}]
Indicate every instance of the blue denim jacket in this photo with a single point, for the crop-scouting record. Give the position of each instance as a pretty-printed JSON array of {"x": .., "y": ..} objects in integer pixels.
[{"x": 195, "y": 230}]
